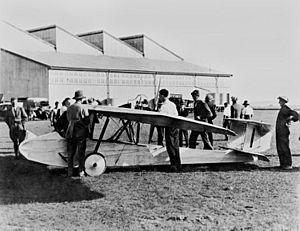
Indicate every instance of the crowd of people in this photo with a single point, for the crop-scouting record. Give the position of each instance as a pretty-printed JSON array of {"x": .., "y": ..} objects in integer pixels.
[{"x": 73, "y": 122}]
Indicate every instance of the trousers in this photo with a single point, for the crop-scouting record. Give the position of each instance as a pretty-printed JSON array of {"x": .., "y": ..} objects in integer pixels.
[
  {"x": 172, "y": 146},
  {"x": 193, "y": 140},
  {"x": 283, "y": 147},
  {"x": 76, "y": 145},
  {"x": 17, "y": 135}
]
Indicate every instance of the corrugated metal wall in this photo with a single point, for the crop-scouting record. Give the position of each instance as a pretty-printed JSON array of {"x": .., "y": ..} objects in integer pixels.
[{"x": 22, "y": 78}]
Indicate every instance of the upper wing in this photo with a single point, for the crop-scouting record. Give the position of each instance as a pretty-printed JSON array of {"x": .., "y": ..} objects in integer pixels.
[{"x": 159, "y": 119}]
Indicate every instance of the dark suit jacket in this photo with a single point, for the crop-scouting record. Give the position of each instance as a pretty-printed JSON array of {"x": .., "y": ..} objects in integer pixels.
[
  {"x": 15, "y": 117},
  {"x": 201, "y": 111}
]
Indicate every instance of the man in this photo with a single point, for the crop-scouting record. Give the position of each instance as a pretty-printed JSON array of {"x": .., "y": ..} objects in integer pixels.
[
  {"x": 209, "y": 99},
  {"x": 183, "y": 133},
  {"x": 77, "y": 132},
  {"x": 171, "y": 134},
  {"x": 53, "y": 115},
  {"x": 236, "y": 108},
  {"x": 247, "y": 111},
  {"x": 155, "y": 105},
  {"x": 15, "y": 119},
  {"x": 62, "y": 121},
  {"x": 202, "y": 113},
  {"x": 284, "y": 118},
  {"x": 226, "y": 116}
]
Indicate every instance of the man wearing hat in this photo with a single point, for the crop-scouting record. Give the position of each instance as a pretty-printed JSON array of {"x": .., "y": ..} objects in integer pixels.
[
  {"x": 247, "y": 111},
  {"x": 284, "y": 118},
  {"x": 77, "y": 132},
  {"x": 15, "y": 119},
  {"x": 201, "y": 112}
]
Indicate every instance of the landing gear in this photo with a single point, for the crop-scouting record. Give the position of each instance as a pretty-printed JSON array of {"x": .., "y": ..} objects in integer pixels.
[{"x": 94, "y": 164}]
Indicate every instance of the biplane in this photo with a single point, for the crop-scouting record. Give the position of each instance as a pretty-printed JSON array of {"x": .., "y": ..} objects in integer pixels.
[{"x": 117, "y": 141}]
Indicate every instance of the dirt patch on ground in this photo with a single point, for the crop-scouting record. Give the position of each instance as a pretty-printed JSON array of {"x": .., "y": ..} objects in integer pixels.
[{"x": 214, "y": 197}]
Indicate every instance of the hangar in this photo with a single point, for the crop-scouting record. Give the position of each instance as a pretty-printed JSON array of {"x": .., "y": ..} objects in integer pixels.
[{"x": 52, "y": 62}]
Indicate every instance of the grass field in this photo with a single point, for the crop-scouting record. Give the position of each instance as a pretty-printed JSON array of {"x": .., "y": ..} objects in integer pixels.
[{"x": 214, "y": 197}]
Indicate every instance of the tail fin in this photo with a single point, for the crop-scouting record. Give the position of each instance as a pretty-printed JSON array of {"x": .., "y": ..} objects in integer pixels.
[{"x": 252, "y": 136}]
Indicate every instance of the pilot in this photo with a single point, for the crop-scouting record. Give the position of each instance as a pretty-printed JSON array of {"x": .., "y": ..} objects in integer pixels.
[
  {"x": 15, "y": 119},
  {"x": 201, "y": 112},
  {"x": 284, "y": 118},
  {"x": 77, "y": 132},
  {"x": 171, "y": 134}
]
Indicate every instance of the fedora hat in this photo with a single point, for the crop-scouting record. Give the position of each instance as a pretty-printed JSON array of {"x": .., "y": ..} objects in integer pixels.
[
  {"x": 246, "y": 103},
  {"x": 78, "y": 95}
]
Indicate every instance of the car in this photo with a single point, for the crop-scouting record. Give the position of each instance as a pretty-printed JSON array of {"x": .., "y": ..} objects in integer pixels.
[
  {"x": 36, "y": 107},
  {"x": 3, "y": 108}
]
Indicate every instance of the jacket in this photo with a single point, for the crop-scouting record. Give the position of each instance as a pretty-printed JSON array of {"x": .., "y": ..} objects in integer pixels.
[
  {"x": 202, "y": 111},
  {"x": 15, "y": 117},
  {"x": 79, "y": 121}
]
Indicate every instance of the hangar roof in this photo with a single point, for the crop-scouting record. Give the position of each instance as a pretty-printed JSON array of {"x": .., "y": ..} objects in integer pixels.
[{"x": 78, "y": 62}]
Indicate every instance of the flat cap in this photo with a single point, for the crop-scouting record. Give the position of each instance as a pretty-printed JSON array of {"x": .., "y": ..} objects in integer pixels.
[{"x": 284, "y": 98}]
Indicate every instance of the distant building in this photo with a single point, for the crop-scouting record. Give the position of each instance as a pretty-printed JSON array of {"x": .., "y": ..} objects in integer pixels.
[{"x": 53, "y": 63}]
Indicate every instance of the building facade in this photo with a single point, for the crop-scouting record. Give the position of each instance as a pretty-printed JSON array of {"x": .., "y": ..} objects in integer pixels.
[{"x": 56, "y": 69}]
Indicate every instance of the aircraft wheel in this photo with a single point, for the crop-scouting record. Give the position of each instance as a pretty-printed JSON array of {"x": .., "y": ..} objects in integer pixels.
[{"x": 94, "y": 164}]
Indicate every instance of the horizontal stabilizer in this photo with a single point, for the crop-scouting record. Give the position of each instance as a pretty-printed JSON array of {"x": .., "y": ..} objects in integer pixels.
[{"x": 258, "y": 155}]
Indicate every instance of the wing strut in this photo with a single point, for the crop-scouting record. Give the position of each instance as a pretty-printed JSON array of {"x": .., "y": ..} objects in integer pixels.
[
  {"x": 120, "y": 131},
  {"x": 101, "y": 135}
]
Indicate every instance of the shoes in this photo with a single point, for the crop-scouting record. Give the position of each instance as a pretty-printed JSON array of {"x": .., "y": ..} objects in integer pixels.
[
  {"x": 175, "y": 168},
  {"x": 287, "y": 167},
  {"x": 81, "y": 174}
]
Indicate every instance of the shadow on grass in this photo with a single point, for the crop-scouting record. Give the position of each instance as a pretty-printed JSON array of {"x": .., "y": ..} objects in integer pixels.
[
  {"x": 217, "y": 167},
  {"x": 191, "y": 168},
  {"x": 278, "y": 169},
  {"x": 22, "y": 182}
]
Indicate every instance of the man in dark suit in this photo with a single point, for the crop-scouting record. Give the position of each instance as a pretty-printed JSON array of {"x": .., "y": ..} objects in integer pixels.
[
  {"x": 77, "y": 132},
  {"x": 284, "y": 118},
  {"x": 15, "y": 119},
  {"x": 201, "y": 112},
  {"x": 209, "y": 99}
]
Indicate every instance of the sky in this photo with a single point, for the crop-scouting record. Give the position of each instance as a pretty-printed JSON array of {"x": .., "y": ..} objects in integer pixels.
[{"x": 258, "y": 41}]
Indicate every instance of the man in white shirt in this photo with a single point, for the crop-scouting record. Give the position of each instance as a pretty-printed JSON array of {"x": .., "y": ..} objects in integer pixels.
[
  {"x": 247, "y": 111},
  {"x": 226, "y": 116},
  {"x": 171, "y": 134}
]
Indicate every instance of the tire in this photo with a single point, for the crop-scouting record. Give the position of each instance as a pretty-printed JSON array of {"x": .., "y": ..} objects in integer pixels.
[{"x": 94, "y": 164}]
